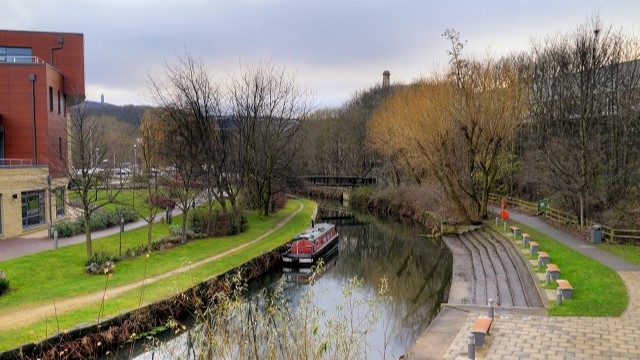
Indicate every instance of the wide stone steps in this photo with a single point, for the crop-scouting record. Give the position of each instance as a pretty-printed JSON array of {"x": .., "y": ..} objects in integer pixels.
[{"x": 487, "y": 266}]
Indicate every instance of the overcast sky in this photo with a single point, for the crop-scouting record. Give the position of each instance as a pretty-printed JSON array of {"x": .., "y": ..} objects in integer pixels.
[{"x": 335, "y": 47}]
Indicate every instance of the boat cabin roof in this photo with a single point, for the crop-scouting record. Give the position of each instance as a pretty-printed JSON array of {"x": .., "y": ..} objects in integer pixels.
[{"x": 315, "y": 231}]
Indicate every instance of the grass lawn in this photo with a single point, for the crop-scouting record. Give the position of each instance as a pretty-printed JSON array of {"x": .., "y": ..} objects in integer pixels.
[
  {"x": 33, "y": 283},
  {"x": 110, "y": 199},
  {"x": 630, "y": 253},
  {"x": 597, "y": 290}
]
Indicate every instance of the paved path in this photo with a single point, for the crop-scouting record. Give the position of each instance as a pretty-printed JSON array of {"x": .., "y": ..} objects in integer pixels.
[
  {"x": 541, "y": 337},
  {"x": 573, "y": 242},
  {"x": 33, "y": 243}
]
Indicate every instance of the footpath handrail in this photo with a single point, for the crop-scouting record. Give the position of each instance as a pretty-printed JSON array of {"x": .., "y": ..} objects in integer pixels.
[{"x": 609, "y": 233}]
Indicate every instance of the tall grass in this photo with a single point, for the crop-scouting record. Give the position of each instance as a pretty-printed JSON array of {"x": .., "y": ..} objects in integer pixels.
[{"x": 270, "y": 327}]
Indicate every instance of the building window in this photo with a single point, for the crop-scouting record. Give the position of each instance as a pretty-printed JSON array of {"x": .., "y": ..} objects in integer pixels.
[
  {"x": 58, "y": 102},
  {"x": 50, "y": 99},
  {"x": 32, "y": 208},
  {"x": 15, "y": 55},
  {"x": 1, "y": 227},
  {"x": 60, "y": 149},
  {"x": 64, "y": 105},
  {"x": 60, "y": 202}
]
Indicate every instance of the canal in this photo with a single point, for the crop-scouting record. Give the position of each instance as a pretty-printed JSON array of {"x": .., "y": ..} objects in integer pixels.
[{"x": 417, "y": 269}]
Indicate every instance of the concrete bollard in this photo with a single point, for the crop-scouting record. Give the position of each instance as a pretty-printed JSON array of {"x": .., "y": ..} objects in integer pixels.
[
  {"x": 492, "y": 310},
  {"x": 497, "y": 219},
  {"x": 505, "y": 226},
  {"x": 471, "y": 347},
  {"x": 559, "y": 296},
  {"x": 547, "y": 278},
  {"x": 539, "y": 262},
  {"x": 55, "y": 239}
]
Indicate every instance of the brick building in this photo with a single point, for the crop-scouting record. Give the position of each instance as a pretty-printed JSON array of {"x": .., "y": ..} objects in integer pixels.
[{"x": 41, "y": 76}]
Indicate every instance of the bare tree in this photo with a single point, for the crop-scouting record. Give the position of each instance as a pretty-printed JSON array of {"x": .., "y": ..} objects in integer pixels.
[
  {"x": 268, "y": 108},
  {"x": 187, "y": 101},
  {"x": 85, "y": 166},
  {"x": 582, "y": 112},
  {"x": 150, "y": 151}
]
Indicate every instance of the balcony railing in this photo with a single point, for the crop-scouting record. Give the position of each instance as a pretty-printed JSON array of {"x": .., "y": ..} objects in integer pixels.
[
  {"x": 17, "y": 162},
  {"x": 12, "y": 59}
]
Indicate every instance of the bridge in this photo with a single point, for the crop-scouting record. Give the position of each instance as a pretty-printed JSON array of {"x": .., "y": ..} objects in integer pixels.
[
  {"x": 340, "y": 216},
  {"x": 339, "y": 181}
]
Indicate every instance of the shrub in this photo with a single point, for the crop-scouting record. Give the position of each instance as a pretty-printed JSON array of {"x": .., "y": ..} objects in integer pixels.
[
  {"x": 67, "y": 228},
  {"x": 278, "y": 201},
  {"x": 100, "y": 220},
  {"x": 163, "y": 243},
  {"x": 239, "y": 225},
  {"x": 4, "y": 286},
  {"x": 176, "y": 231},
  {"x": 129, "y": 214},
  {"x": 161, "y": 201},
  {"x": 218, "y": 223},
  {"x": 101, "y": 263},
  {"x": 4, "y": 283}
]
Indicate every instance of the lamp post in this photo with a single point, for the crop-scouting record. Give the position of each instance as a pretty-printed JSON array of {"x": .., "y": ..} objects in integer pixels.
[
  {"x": 135, "y": 158},
  {"x": 50, "y": 206},
  {"x": 121, "y": 231}
]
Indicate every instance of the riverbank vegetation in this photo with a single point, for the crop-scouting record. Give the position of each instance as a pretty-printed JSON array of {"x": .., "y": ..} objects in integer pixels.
[
  {"x": 416, "y": 204},
  {"x": 269, "y": 327},
  {"x": 33, "y": 286}
]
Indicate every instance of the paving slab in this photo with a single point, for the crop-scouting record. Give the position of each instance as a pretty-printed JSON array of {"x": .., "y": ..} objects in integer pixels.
[
  {"x": 525, "y": 336},
  {"x": 435, "y": 341}
]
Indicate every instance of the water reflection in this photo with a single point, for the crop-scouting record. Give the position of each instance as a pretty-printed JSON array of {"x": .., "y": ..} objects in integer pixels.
[{"x": 417, "y": 269}]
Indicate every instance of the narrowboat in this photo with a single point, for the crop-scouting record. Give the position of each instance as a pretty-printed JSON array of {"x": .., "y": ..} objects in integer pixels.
[
  {"x": 304, "y": 274},
  {"x": 310, "y": 244}
]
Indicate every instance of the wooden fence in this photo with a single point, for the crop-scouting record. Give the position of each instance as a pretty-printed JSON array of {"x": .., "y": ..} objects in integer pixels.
[{"x": 609, "y": 234}]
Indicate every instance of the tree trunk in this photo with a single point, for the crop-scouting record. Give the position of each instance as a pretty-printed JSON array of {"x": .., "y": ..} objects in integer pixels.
[
  {"x": 183, "y": 238},
  {"x": 87, "y": 233},
  {"x": 149, "y": 230},
  {"x": 582, "y": 200}
]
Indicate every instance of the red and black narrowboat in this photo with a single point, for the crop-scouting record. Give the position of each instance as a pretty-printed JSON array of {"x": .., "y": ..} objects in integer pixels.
[{"x": 310, "y": 244}]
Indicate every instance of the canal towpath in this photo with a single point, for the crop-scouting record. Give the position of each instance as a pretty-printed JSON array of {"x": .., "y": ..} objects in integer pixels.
[
  {"x": 517, "y": 336},
  {"x": 50, "y": 310}
]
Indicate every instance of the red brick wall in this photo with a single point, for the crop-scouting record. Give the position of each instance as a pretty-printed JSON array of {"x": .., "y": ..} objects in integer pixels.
[{"x": 16, "y": 101}]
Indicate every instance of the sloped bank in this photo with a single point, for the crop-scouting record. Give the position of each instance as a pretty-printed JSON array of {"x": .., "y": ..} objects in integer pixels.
[
  {"x": 92, "y": 340},
  {"x": 395, "y": 206}
]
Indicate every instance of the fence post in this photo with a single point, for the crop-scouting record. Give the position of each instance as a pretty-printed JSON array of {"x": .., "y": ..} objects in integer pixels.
[{"x": 612, "y": 233}]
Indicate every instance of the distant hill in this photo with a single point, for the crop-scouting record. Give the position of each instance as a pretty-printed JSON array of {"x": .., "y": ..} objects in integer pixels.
[{"x": 130, "y": 114}]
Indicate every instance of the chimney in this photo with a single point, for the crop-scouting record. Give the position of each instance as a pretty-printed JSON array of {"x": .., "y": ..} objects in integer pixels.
[{"x": 386, "y": 75}]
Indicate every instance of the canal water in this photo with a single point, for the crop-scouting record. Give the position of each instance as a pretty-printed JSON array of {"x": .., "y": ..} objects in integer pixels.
[{"x": 417, "y": 269}]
